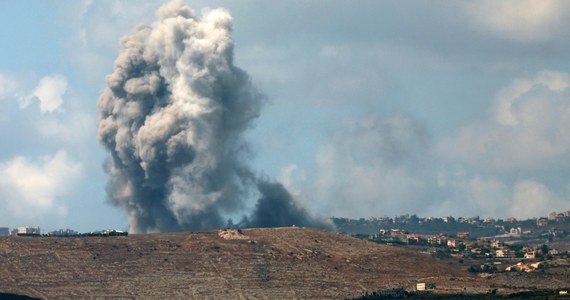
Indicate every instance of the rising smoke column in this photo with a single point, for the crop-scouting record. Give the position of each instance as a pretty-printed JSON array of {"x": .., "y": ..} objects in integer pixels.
[{"x": 172, "y": 118}]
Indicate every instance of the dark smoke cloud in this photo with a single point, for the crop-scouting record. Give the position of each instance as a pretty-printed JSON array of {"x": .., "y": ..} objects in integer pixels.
[
  {"x": 172, "y": 119},
  {"x": 276, "y": 207}
]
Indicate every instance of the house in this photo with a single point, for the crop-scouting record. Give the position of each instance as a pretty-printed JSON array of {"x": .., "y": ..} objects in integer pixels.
[
  {"x": 474, "y": 220},
  {"x": 451, "y": 243},
  {"x": 476, "y": 250},
  {"x": 504, "y": 253},
  {"x": 530, "y": 255},
  {"x": 510, "y": 220},
  {"x": 542, "y": 222},
  {"x": 436, "y": 240},
  {"x": 397, "y": 232},
  {"x": 501, "y": 253},
  {"x": 553, "y": 251},
  {"x": 414, "y": 238},
  {"x": 552, "y": 216},
  {"x": 463, "y": 234},
  {"x": 421, "y": 286},
  {"x": 516, "y": 231},
  {"x": 496, "y": 244}
]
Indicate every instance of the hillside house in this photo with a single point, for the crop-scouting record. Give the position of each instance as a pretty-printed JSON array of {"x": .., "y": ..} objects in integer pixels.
[
  {"x": 552, "y": 216},
  {"x": 496, "y": 244},
  {"x": 436, "y": 240},
  {"x": 504, "y": 253},
  {"x": 553, "y": 251},
  {"x": 542, "y": 222},
  {"x": 414, "y": 238},
  {"x": 463, "y": 234}
]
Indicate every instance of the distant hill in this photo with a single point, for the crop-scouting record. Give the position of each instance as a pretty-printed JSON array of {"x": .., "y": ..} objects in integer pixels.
[{"x": 278, "y": 263}]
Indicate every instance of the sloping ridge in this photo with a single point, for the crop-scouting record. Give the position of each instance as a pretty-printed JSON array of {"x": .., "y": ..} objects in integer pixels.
[{"x": 262, "y": 263}]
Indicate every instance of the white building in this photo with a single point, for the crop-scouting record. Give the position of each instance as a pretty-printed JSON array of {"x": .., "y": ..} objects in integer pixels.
[{"x": 28, "y": 230}]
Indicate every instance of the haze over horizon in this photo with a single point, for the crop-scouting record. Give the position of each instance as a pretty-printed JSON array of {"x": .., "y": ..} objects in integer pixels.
[{"x": 377, "y": 108}]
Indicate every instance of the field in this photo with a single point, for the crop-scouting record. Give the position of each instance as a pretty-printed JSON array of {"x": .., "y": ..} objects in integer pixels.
[{"x": 278, "y": 263}]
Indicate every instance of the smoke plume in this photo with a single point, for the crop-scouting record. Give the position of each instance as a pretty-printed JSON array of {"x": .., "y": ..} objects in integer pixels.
[
  {"x": 172, "y": 119},
  {"x": 276, "y": 207}
]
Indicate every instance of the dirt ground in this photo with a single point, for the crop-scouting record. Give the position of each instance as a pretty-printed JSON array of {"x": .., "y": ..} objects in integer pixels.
[{"x": 278, "y": 263}]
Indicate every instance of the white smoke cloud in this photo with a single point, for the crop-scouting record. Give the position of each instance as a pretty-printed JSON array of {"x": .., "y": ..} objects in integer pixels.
[
  {"x": 522, "y": 20},
  {"x": 527, "y": 128},
  {"x": 525, "y": 133},
  {"x": 387, "y": 166},
  {"x": 49, "y": 93},
  {"x": 532, "y": 199},
  {"x": 493, "y": 196},
  {"x": 292, "y": 177},
  {"x": 371, "y": 165},
  {"x": 31, "y": 188}
]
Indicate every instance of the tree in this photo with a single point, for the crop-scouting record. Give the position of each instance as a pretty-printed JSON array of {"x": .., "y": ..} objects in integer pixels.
[{"x": 461, "y": 247}]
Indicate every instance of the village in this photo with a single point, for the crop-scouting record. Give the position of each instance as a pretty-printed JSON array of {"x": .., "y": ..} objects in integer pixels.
[
  {"x": 35, "y": 231},
  {"x": 483, "y": 246}
]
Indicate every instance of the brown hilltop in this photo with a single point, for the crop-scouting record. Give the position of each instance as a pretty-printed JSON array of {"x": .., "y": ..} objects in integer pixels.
[{"x": 278, "y": 263}]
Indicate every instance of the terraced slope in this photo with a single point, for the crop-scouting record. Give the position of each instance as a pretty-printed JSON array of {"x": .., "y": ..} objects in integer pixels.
[{"x": 278, "y": 263}]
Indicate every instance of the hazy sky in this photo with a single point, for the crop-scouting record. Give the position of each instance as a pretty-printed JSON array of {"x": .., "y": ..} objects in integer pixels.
[{"x": 373, "y": 107}]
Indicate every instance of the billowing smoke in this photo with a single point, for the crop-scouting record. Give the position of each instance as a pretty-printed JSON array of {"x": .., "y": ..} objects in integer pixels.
[
  {"x": 276, "y": 207},
  {"x": 172, "y": 119}
]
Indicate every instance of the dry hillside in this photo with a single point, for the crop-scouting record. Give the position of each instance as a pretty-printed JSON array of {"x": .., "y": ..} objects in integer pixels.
[{"x": 279, "y": 263}]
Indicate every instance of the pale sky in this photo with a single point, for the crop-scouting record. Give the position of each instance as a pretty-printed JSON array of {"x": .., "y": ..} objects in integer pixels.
[{"x": 373, "y": 107}]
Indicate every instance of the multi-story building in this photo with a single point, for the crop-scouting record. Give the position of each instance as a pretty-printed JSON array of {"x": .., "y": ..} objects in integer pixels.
[
  {"x": 552, "y": 216},
  {"x": 63, "y": 232},
  {"x": 4, "y": 231},
  {"x": 28, "y": 230}
]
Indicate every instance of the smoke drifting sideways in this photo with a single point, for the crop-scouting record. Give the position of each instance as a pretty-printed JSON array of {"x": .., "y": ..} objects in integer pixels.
[{"x": 172, "y": 119}]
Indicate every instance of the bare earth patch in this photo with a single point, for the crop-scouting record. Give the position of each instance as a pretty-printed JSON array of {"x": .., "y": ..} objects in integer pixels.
[{"x": 232, "y": 234}]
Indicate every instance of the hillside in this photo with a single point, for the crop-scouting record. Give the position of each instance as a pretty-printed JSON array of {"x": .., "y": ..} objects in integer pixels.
[{"x": 260, "y": 263}]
